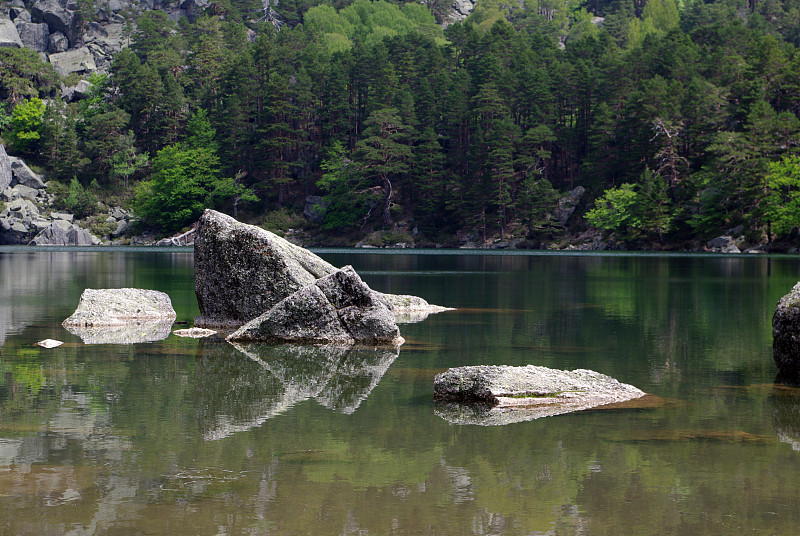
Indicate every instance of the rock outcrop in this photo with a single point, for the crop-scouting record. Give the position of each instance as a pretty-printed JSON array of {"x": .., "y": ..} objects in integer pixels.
[
  {"x": 120, "y": 307},
  {"x": 337, "y": 309},
  {"x": 786, "y": 332},
  {"x": 503, "y": 394},
  {"x": 6, "y": 175},
  {"x": 243, "y": 271}
]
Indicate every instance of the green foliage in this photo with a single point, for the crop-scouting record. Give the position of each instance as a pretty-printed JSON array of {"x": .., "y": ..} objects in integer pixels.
[
  {"x": 26, "y": 123},
  {"x": 23, "y": 74},
  {"x": 281, "y": 220},
  {"x": 344, "y": 187},
  {"x": 615, "y": 209},
  {"x": 782, "y": 210},
  {"x": 185, "y": 179},
  {"x": 80, "y": 201}
]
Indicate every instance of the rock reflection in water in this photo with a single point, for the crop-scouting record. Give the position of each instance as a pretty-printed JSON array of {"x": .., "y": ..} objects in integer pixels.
[
  {"x": 241, "y": 388},
  {"x": 135, "y": 332},
  {"x": 786, "y": 411}
]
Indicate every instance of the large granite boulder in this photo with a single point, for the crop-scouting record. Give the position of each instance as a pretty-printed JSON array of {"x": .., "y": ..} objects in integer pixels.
[
  {"x": 337, "y": 309},
  {"x": 242, "y": 271},
  {"x": 64, "y": 233},
  {"x": 24, "y": 175},
  {"x": 511, "y": 394},
  {"x": 566, "y": 205},
  {"x": 786, "y": 332},
  {"x": 9, "y": 36},
  {"x": 6, "y": 175}
]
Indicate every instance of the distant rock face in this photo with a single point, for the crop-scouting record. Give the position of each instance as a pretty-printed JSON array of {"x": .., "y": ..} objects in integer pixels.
[
  {"x": 121, "y": 307},
  {"x": 567, "y": 204},
  {"x": 33, "y": 35},
  {"x": 79, "y": 60},
  {"x": 533, "y": 391},
  {"x": 336, "y": 309},
  {"x": 57, "y": 17},
  {"x": 786, "y": 332},
  {"x": 9, "y": 36},
  {"x": 241, "y": 270}
]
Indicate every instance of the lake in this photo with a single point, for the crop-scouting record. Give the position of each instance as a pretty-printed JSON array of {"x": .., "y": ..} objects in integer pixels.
[{"x": 187, "y": 436}]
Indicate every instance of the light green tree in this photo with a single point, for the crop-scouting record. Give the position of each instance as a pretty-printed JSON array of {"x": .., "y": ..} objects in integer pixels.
[
  {"x": 26, "y": 122},
  {"x": 782, "y": 203}
]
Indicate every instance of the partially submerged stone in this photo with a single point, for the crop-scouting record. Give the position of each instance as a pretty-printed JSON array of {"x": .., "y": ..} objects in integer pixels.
[
  {"x": 503, "y": 394},
  {"x": 194, "y": 333},
  {"x": 121, "y": 307},
  {"x": 337, "y": 309},
  {"x": 786, "y": 332},
  {"x": 49, "y": 343},
  {"x": 242, "y": 271}
]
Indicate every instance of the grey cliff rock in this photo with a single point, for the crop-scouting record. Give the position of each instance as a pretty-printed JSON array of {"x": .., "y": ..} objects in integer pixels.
[
  {"x": 567, "y": 205},
  {"x": 242, "y": 271},
  {"x": 78, "y": 60},
  {"x": 504, "y": 394},
  {"x": 786, "y": 332},
  {"x": 6, "y": 174},
  {"x": 9, "y": 36},
  {"x": 121, "y": 307},
  {"x": 24, "y": 175},
  {"x": 337, "y": 309},
  {"x": 57, "y": 17},
  {"x": 62, "y": 233},
  {"x": 33, "y": 35}
]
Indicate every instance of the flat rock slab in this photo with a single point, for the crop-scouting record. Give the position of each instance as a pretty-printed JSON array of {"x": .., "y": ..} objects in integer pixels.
[
  {"x": 786, "y": 332},
  {"x": 503, "y": 394},
  {"x": 121, "y": 307}
]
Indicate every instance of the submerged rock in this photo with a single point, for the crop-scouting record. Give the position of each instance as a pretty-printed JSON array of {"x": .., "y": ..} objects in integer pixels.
[
  {"x": 502, "y": 394},
  {"x": 121, "y": 307},
  {"x": 49, "y": 343},
  {"x": 243, "y": 271},
  {"x": 337, "y": 309},
  {"x": 786, "y": 332}
]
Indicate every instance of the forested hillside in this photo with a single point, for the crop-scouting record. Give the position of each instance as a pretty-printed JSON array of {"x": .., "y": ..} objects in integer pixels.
[{"x": 680, "y": 119}]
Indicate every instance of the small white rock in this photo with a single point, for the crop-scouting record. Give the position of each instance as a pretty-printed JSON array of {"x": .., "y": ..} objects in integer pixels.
[
  {"x": 49, "y": 343},
  {"x": 194, "y": 333}
]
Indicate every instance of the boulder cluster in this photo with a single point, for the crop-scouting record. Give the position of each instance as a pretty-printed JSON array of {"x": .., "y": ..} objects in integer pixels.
[
  {"x": 267, "y": 289},
  {"x": 26, "y": 216}
]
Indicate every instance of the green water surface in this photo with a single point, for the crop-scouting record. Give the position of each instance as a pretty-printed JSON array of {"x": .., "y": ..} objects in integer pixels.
[{"x": 197, "y": 437}]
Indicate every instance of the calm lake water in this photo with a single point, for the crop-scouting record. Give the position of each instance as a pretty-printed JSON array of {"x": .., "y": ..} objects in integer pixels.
[{"x": 197, "y": 437}]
